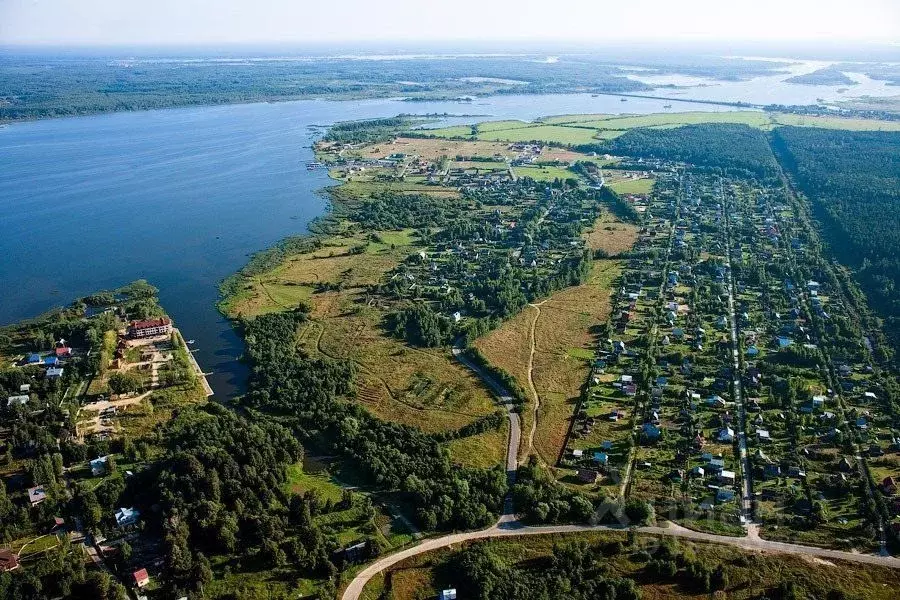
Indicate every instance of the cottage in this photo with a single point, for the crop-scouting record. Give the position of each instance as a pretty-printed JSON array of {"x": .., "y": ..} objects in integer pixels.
[
  {"x": 63, "y": 352},
  {"x": 140, "y": 578},
  {"x": 724, "y": 495},
  {"x": 449, "y": 594},
  {"x": 715, "y": 465},
  {"x": 36, "y": 495},
  {"x": 51, "y": 361},
  {"x": 601, "y": 458},
  {"x": 126, "y": 516},
  {"x": 8, "y": 560},
  {"x": 727, "y": 476},
  {"x": 19, "y": 400},
  {"x": 763, "y": 436},
  {"x": 98, "y": 465},
  {"x": 716, "y": 401},
  {"x": 587, "y": 475},
  {"x": 577, "y": 453},
  {"x": 54, "y": 372},
  {"x": 752, "y": 351},
  {"x": 650, "y": 431},
  {"x": 726, "y": 434},
  {"x": 33, "y": 358}
]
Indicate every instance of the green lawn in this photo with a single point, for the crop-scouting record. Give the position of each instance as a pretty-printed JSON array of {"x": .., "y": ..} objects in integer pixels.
[
  {"x": 543, "y": 173},
  {"x": 632, "y": 186},
  {"x": 551, "y": 134},
  {"x": 298, "y": 482}
]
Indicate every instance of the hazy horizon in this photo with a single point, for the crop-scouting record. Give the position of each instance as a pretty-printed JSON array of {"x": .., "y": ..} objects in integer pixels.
[{"x": 171, "y": 23}]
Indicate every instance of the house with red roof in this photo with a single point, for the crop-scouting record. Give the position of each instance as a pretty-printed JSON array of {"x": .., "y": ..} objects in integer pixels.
[
  {"x": 150, "y": 327},
  {"x": 141, "y": 578}
]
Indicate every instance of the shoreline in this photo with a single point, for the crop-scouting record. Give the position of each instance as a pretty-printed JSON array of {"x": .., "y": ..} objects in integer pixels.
[{"x": 207, "y": 389}]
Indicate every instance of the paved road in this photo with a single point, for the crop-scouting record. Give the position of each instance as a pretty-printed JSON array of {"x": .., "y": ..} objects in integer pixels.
[
  {"x": 515, "y": 428},
  {"x": 514, "y": 528}
]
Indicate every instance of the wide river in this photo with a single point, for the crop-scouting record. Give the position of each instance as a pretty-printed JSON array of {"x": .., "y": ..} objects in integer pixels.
[{"x": 182, "y": 197}]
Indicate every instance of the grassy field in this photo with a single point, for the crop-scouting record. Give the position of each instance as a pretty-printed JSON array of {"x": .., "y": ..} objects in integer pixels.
[
  {"x": 829, "y": 122},
  {"x": 611, "y": 235},
  {"x": 544, "y": 173},
  {"x": 583, "y": 129},
  {"x": 643, "y": 185},
  {"x": 425, "y": 388},
  {"x": 552, "y": 134},
  {"x": 562, "y": 338},
  {"x": 749, "y": 574}
]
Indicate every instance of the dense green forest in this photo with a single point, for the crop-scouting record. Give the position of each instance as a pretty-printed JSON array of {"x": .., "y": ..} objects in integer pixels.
[
  {"x": 735, "y": 148},
  {"x": 853, "y": 180},
  {"x": 306, "y": 392}
]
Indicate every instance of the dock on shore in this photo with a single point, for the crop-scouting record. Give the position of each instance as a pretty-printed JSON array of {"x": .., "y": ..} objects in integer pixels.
[{"x": 197, "y": 370}]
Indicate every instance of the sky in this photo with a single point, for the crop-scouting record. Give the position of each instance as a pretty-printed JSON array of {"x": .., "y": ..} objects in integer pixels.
[{"x": 205, "y": 22}]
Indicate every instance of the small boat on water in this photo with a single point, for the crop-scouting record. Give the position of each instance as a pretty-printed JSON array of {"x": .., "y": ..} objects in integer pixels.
[
  {"x": 191, "y": 341},
  {"x": 667, "y": 106},
  {"x": 623, "y": 99},
  {"x": 312, "y": 166}
]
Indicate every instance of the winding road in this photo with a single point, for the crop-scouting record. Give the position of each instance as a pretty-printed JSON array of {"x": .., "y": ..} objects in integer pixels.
[{"x": 509, "y": 526}]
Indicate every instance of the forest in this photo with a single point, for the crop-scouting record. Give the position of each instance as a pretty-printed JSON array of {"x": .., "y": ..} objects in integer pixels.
[
  {"x": 733, "y": 148},
  {"x": 41, "y": 85},
  {"x": 853, "y": 181},
  {"x": 306, "y": 393}
]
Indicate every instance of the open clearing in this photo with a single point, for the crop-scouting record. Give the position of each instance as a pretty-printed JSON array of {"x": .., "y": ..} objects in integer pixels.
[
  {"x": 425, "y": 388},
  {"x": 642, "y": 185},
  {"x": 611, "y": 235},
  {"x": 571, "y": 130},
  {"x": 563, "y": 331}
]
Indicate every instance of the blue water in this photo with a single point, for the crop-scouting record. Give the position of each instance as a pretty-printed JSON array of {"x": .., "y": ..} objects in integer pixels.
[{"x": 182, "y": 197}]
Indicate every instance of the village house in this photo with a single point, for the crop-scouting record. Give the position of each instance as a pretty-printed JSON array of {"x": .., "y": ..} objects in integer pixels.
[
  {"x": 126, "y": 516},
  {"x": 36, "y": 495},
  {"x": 588, "y": 475},
  {"x": 98, "y": 465},
  {"x": 19, "y": 400},
  {"x": 140, "y": 578},
  {"x": 8, "y": 560}
]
